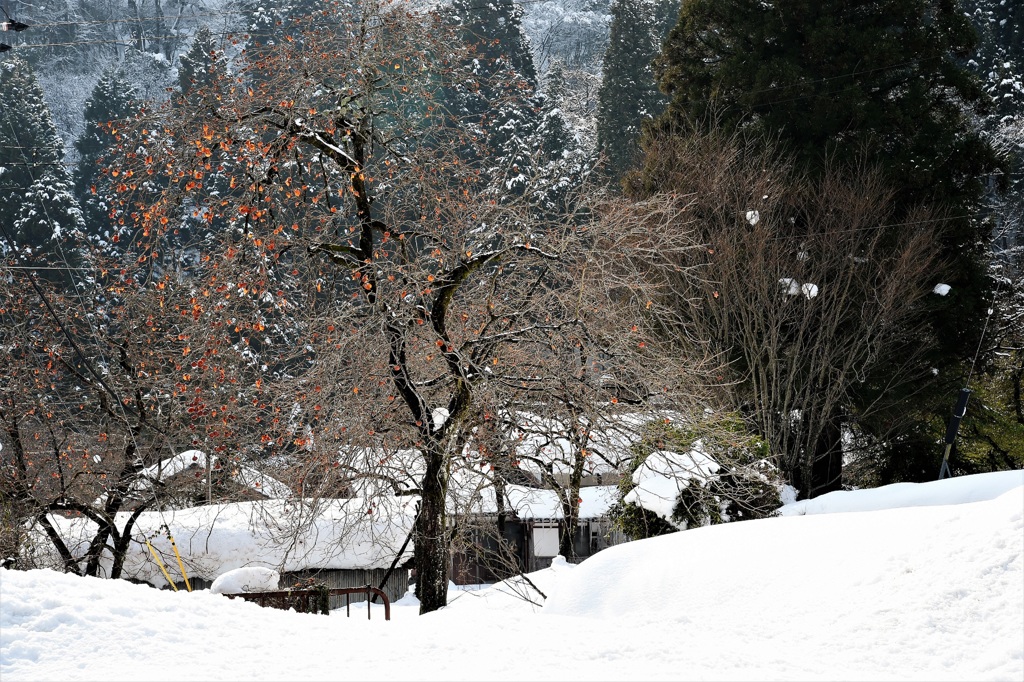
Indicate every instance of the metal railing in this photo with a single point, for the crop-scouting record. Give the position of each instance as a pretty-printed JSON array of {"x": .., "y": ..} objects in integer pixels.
[{"x": 316, "y": 599}]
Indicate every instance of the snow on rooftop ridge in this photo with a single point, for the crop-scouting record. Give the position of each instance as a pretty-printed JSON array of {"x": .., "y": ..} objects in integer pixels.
[
  {"x": 538, "y": 503},
  {"x": 595, "y": 502},
  {"x": 473, "y": 492},
  {"x": 541, "y": 441},
  {"x": 608, "y": 444},
  {"x": 376, "y": 471},
  {"x": 244, "y": 475}
]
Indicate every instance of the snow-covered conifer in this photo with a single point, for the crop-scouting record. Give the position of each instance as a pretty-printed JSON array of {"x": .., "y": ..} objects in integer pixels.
[
  {"x": 38, "y": 209},
  {"x": 112, "y": 104},
  {"x": 629, "y": 94}
]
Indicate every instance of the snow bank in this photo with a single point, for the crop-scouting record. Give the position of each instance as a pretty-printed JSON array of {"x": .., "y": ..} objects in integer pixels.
[
  {"x": 924, "y": 593},
  {"x": 285, "y": 535},
  {"x": 524, "y": 594},
  {"x": 959, "y": 490}
]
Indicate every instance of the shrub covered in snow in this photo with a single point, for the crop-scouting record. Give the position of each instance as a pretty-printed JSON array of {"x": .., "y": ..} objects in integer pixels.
[{"x": 683, "y": 479}]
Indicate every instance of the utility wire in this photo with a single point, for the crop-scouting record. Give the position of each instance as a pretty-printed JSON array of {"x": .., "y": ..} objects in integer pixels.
[{"x": 220, "y": 13}]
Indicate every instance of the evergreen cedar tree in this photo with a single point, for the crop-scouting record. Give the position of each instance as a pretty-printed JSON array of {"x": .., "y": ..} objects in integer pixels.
[
  {"x": 629, "y": 95},
  {"x": 502, "y": 102},
  {"x": 202, "y": 65},
  {"x": 999, "y": 60},
  {"x": 529, "y": 148},
  {"x": 838, "y": 81},
  {"x": 994, "y": 436},
  {"x": 112, "y": 104},
  {"x": 38, "y": 210}
]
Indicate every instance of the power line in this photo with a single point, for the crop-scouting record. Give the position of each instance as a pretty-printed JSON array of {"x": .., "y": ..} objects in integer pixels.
[
  {"x": 61, "y": 268},
  {"x": 94, "y": 22},
  {"x": 228, "y": 12},
  {"x": 297, "y": 21}
]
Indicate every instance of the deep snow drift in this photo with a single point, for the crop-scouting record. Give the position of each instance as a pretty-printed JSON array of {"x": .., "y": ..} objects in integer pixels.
[{"x": 912, "y": 592}]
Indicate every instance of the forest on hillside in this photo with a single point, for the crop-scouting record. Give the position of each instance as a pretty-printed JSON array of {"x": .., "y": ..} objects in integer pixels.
[{"x": 405, "y": 248}]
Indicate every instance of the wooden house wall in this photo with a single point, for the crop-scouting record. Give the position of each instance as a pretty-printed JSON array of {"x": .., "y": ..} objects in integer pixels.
[
  {"x": 396, "y": 586},
  {"x": 480, "y": 561}
]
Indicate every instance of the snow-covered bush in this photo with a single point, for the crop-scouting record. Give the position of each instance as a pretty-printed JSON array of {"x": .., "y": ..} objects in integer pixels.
[{"x": 682, "y": 479}]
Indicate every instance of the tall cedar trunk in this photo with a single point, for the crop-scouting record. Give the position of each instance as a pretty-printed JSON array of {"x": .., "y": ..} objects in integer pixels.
[
  {"x": 432, "y": 549},
  {"x": 827, "y": 467},
  {"x": 822, "y": 468}
]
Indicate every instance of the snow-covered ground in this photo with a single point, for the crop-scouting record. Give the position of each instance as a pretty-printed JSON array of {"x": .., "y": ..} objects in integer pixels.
[{"x": 906, "y": 592}]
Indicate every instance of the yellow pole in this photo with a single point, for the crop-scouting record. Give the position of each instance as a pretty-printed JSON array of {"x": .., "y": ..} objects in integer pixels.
[
  {"x": 161, "y": 565},
  {"x": 181, "y": 564}
]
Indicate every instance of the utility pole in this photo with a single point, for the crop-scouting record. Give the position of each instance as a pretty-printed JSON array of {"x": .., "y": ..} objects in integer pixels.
[{"x": 954, "y": 425}]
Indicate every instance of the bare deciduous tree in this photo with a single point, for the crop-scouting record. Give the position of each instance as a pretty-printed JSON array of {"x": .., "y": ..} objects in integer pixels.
[{"x": 807, "y": 287}]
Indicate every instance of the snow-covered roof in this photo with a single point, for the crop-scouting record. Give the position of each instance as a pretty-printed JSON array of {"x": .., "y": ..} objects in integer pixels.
[
  {"x": 609, "y": 440},
  {"x": 535, "y": 503},
  {"x": 286, "y": 535},
  {"x": 378, "y": 471},
  {"x": 542, "y": 444},
  {"x": 539, "y": 503},
  {"x": 245, "y": 476}
]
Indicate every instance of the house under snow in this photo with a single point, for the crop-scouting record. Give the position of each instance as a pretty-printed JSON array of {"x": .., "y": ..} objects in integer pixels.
[{"x": 343, "y": 543}]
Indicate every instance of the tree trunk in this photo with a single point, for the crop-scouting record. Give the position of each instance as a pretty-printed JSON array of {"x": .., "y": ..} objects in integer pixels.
[
  {"x": 571, "y": 510},
  {"x": 123, "y": 542},
  {"x": 827, "y": 471},
  {"x": 95, "y": 551},
  {"x": 432, "y": 549},
  {"x": 822, "y": 469},
  {"x": 70, "y": 565}
]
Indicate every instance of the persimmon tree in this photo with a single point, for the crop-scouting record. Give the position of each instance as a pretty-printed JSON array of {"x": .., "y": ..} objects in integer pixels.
[
  {"x": 96, "y": 393},
  {"x": 388, "y": 292}
]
